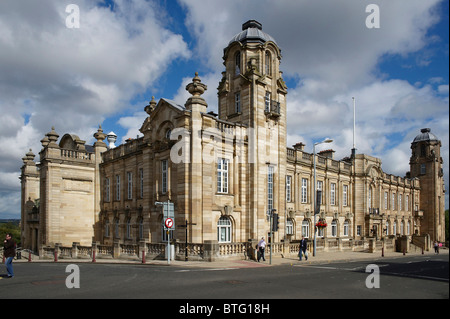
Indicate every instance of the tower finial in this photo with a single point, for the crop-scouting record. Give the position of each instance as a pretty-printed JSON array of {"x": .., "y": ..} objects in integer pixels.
[
  {"x": 151, "y": 106},
  {"x": 196, "y": 88}
]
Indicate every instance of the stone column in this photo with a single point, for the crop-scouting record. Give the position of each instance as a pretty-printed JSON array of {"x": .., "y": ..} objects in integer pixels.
[{"x": 74, "y": 252}]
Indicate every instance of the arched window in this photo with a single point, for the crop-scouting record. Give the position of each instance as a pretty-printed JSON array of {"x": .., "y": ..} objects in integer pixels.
[
  {"x": 346, "y": 228},
  {"x": 268, "y": 64},
  {"x": 394, "y": 229},
  {"x": 237, "y": 63},
  {"x": 289, "y": 227},
  {"x": 305, "y": 228},
  {"x": 224, "y": 230},
  {"x": 168, "y": 132}
]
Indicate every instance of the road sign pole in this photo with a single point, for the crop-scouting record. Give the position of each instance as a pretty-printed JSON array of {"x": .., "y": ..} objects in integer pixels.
[
  {"x": 271, "y": 237},
  {"x": 168, "y": 247},
  {"x": 186, "y": 244}
]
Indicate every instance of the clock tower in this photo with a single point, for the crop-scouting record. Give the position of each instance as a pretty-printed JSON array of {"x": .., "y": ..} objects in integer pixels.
[
  {"x": 426, "y": 164},
  {"x": 252, "y": 93}
]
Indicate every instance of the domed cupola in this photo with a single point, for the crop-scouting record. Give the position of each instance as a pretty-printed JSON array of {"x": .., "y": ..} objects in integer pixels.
[
  {"x": 425, "y": 136},
  {"x": 252, "y": 32}
]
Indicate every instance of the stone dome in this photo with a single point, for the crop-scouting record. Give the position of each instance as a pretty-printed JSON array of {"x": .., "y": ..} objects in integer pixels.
[
  {"x": 252, "y": 32},
  {"x": 425, "y": 135}
]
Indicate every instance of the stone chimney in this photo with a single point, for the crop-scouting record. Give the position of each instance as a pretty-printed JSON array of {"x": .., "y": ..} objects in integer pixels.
[
  {"x": 112, "y": 138},
  {"x": 299, "y": 146},
  {"x": 327, "y": 153}
]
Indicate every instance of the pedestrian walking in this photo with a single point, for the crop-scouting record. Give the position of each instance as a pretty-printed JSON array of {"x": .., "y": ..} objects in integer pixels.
[
  {"x": 436, "y": 247},
  {"x": 303, "y": 247},
  {"x": 9, "y": 251},
  {"x": 261, "y": 248}
]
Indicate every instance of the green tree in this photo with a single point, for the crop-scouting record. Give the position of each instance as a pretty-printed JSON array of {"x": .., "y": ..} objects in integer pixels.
[{"x": 10, "y": 228}]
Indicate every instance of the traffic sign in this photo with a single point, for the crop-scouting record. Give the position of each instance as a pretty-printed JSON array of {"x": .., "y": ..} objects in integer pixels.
[{"x": 169, "y": 223}]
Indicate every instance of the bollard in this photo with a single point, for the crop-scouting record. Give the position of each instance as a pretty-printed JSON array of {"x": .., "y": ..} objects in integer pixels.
[
  {"x": 56, "y": 255},
  {"x": 29, "y": 256},
  {"x": 422, "y": 250},
  {"x": 382, "y": 251},
  {"x": 143, "y": 256},
  {"x": 93, "y": 256},
  {"x": 404, "y": 252}
]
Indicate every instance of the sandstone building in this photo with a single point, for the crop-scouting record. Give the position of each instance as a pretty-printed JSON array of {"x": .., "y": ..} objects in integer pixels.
[{"x": 225, "y": 173}]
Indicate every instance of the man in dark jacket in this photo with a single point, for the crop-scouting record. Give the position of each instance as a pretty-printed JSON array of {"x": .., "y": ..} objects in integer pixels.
[
  {"x": 303, "y": 247},
  {"x": 9, "y": 251}
]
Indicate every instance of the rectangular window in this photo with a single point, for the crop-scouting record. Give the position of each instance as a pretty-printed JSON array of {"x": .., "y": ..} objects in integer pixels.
[
  {"x": 358, "y": 230},
  {"x": 393, "y": 202},
  {"x": 320, "y": 188},
  {"x": 407, "y": 203},
  {"x": 304, "y": 190},
  {"x": 222, "y": 176},
  {"x": 117, "y": 187},
  {"x": 128, "y": 229},
  {"x": 333, "y": 194},
  {"x": 141, "y": 182},
  {"x": 107, "y": 189},
  {"x": 400, "y": 197},
  {"x": 345, "y": 195},
  {"x": 333, "y": 228},
  {"x": 130, "y": 185},
  {"x": 141, "y": 229},
  {"x": 237, "y": 102},
  {"x": 423, "y": 169},
  {"x": 288, "y": 188},
  {"x": 385, "y": 200},
  {"x": 107, "y": 228},
  {"x": 270, "y": 188},
  {"x": 267, "y": 101},
  {"x": 164, "y": 176}
]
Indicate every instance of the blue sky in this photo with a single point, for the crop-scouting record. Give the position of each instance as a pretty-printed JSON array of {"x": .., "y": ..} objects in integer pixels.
[{"x": 125, "y": 51}]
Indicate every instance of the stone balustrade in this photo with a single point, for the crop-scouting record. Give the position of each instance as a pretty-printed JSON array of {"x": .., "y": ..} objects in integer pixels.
[{"x": 209, "y": 251}]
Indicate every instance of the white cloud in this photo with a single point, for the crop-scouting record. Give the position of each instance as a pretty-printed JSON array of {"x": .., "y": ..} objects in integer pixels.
[
  {"x": 132, "y": 124},
  {"x": 9, "y": 203},
  {"x": 328, "y": 49},
  {"x": 443, "y": 89},
  {"x": 211, "y": 80},
  {"x": 75, "y": 78},
  {"x": 72, "y": 79}
]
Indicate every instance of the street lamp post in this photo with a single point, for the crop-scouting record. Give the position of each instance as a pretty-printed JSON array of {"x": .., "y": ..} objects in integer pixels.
[{"x": 315, "y": 189}]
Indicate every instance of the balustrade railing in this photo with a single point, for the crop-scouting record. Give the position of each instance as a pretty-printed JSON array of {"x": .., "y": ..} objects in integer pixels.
[{"x": 197, "y": 251}]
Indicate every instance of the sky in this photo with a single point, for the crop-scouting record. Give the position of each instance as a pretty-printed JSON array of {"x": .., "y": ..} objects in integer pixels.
[{"x": 392, "y": 58}]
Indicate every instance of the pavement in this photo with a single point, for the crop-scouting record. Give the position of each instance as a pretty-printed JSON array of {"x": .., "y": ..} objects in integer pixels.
[{"x": 321, "y": 257}]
